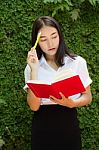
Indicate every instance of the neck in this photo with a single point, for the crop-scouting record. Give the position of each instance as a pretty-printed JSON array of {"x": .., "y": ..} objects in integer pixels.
[
  {"x": 51, "y": 61},
  {"x": 50, "y": 58}
]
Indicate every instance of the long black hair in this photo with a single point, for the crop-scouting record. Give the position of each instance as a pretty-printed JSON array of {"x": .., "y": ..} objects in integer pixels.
[{"x": 62, "y": 49}]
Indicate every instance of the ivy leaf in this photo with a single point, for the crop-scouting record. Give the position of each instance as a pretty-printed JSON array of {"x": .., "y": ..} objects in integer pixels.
[
  {"x": 93, "y": 2},
  {"x": 81, "y": 1},
  {"x": 1, "y": 142},
  {"x": 2, "y": 101},
  {"x": 60, "y": 7},
  {"x": 68, "y": 2},
  {"x": 52, "y": 1},
  {"x": 75, "y": 14}
]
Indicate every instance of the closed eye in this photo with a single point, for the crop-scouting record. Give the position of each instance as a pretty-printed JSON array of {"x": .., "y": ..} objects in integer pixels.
[
  {"x": 42, "y": 40},
  {"x": 54, "y": 37}
]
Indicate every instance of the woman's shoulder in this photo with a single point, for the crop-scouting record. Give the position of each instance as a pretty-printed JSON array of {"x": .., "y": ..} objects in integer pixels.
[
  {"x": 76, "y": 59},
  {"x": 80, "y": 59}
]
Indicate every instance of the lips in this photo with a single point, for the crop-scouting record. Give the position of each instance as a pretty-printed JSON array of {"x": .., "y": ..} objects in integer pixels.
[{"x": 51, "y": 49}]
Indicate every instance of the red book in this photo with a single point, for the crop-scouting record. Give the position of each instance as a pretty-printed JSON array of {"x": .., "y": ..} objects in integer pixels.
[{"x": 65, "y": 82}]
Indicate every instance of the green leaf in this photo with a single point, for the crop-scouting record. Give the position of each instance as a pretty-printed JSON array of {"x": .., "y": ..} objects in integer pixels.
[
  {"x": 93, "y": 2},
  {"x": 75, "y": 14},
  {"x": 2, "y": 101},
  {"x": 69, "y": 2},
  {"x": 61, "y": 7},
  {"x": 52, "y": 1},
  {"x": 1, "y": 142}
]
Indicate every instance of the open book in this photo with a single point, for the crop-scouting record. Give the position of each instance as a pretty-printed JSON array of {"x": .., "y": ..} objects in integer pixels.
[{"x": 66, "y": 82}]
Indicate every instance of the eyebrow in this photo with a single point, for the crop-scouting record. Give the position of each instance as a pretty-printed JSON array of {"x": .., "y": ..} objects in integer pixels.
[{"x": 42, "y": 36}]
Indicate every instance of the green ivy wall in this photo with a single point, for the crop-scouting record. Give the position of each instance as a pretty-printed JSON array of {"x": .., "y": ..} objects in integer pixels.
[{"x": 82, "y": 36}]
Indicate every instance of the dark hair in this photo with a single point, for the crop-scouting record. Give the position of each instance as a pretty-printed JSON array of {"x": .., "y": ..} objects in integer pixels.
[{"x": 62, "y": 49}]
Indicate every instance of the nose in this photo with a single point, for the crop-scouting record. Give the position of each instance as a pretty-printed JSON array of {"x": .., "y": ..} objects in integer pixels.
[{"x": 50, "y": 43}]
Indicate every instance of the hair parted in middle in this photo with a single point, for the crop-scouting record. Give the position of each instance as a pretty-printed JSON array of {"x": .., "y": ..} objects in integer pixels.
[{"x": 62, "y": 49}]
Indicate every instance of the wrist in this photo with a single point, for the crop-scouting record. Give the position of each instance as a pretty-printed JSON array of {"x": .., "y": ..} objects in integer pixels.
[{"x": 33, "y": 75}]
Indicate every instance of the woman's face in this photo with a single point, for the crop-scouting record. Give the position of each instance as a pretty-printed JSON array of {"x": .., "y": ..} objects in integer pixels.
[{"x": 49, "y": 40}]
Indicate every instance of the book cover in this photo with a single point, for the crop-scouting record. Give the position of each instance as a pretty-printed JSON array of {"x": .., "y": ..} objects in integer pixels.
[{"x": 66, "y": 82}]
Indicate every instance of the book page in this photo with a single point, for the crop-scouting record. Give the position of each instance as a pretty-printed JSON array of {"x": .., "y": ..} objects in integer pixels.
[
  {"x": 64, "y": 74},
  {"x": 38, "y": 82},
  {"x": 61, "y": 75}
]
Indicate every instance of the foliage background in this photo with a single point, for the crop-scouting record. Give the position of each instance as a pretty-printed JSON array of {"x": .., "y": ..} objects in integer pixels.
[{"x": 82, "y": 36}]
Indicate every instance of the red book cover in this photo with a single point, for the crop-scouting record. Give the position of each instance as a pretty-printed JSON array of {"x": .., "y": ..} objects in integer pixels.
[{"x": 69, "y": 86}]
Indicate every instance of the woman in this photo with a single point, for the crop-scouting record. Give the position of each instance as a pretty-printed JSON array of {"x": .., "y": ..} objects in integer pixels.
[{"x": 55, "y": 124}]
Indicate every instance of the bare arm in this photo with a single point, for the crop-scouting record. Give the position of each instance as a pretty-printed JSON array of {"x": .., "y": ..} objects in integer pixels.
[
  {"x": 32, "y": 60},
  {"x": 33, "y": 101},
  {"x": 85, "y": 99}
]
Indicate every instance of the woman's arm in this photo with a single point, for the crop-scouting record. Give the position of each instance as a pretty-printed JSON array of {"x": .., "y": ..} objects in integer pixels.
[
  {"x": 32, "y": 60},
  {"x": 85, "y": 99},
  {"x": 33, "y": 101}
]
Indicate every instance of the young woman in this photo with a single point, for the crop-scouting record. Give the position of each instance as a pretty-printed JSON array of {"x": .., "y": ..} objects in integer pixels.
[{"x": 55, "y": 124}]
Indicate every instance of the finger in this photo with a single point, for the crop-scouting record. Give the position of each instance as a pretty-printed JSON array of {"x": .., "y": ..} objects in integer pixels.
[
  {"x": 31, "y": 54},
  {"x": 62, "y": 95},
  {"x": 29, "y": 58},
  {"x": 33, "y": 49},
  {"x": 35, "y": 53},
  {"x": 33, "y": 59},
  {"x": 54, "y": 99}
]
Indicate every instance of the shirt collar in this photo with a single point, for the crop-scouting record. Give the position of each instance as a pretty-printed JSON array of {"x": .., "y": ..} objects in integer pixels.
[{"x": 43, "y": 63}]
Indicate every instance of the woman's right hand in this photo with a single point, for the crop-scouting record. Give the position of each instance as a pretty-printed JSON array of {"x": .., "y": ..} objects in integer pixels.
[{"x": 32, "y": 59}]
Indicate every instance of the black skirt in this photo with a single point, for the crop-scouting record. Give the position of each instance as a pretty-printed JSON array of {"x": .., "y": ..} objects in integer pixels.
[{"x": 55, "y": 127}]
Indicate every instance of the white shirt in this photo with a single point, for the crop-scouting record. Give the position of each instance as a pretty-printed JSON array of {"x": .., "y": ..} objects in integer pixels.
[{"x": 46, "y": 73}]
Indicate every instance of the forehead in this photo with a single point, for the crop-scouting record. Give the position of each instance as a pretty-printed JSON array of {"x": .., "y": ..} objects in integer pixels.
[{"x": 47, "y": 30}]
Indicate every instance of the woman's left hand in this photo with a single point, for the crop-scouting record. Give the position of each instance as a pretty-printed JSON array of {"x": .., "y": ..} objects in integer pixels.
[
  {"x": 83, "y": 100},
  {"x": 64, "y": 101}
]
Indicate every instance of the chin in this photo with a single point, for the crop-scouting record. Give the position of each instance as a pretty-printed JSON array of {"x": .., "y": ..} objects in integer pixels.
[{"x": 52, "y": 53}]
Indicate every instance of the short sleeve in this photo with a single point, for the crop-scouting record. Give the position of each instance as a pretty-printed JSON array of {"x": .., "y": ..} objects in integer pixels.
[
  {"x": 26, "y": 75},
  {"x": 83, "y": 72}
]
